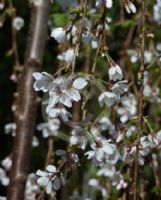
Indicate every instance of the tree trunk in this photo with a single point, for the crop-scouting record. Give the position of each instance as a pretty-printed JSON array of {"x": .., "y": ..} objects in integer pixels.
[{"x": 26, "y": 102}]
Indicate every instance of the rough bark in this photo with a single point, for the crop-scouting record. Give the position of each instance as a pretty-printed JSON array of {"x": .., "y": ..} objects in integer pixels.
[{"x": 26, "y": 102}]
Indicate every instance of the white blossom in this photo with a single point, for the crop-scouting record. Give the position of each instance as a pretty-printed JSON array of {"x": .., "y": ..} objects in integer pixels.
[
  {"x": 4, "y": 180},
  {"x": 18, "y": 23},
  {"x": 107, "y": 170},
  {"x": 128, "y": 108},
  {"x": 108, "y": 98},
  {"x": 108, "y": 3},
  {"x": 6, "y": 163},
  {"x": 120, "y": 87},
  {"x": 118, "y": 181},
  {"x": 100, "y": 150},
  {"x": 50, "y": 128},
  {"x": 78, "y": 137},
  {"x": 130, "y": 7},
  {"x": 157, "y": 12},
  {"x": 59, "y": 34},
  {"x": 43, "y": 81},
  {"x": 67, "y": 56},
  {"x": 49, "y": 179},
  {"x": 115, "y": 73},
  {"x": 10, "y": 128},
  {"x": 32, "y": 188}
]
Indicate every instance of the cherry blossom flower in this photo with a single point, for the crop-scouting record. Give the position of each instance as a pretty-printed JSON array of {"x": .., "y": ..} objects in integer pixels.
[
  {"x": 18, "y": 23},
  {"x": 3, "y": 198},
  {"x": 59, "y": 34},
  {"x": 100, "y": 150},
  {"x": 32, "y": 188},
  {"x": 78, "y": 137},
  {"x": 4, "y": 180},
  {"x": 10, "y": 128},
  {"x": 120, "y": 87},
  {"x": 49, "y": 128},
  {"x": 115, "y": 73},
  {"x": 108, "y": 98},
  {"x": 64, "y": 91},
  {"x": 130, "y": 7},
  {"x": 67, "y": 56},
  {"x": 49, "y": 179},
  {"x": 6, "y": 163},
  {"x": 43, "y": 81},
  {"x": 128, "y": 108},
  {"x": 107, "y": 170},
  {"x": 118, "y": 181},
  {"x": 157, "y": 12},
  {"x": 108, "y": 3}
]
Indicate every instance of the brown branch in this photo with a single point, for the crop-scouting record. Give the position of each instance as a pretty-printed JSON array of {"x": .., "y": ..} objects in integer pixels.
[
  {"x": 26, "y": 102},
  {"x": 140, "y": 100}
]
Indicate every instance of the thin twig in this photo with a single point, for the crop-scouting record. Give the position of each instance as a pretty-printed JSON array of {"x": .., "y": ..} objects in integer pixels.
[{"x": 140, "y": 101}]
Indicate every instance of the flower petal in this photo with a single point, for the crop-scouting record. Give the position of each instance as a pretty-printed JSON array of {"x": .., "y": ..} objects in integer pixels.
[
  {"x": 79, "y": 83},
  {"x": 51, "y": 168},
  {"x": 41, "y": 173},
  {"x": 42, "y": 181},
  {"x": 49, "y": 187}
]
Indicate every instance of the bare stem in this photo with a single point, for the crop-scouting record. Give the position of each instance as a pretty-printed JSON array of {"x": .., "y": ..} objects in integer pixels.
[
  {"x": 80, "y": 31},
  {"x": 140, "y": 100}
]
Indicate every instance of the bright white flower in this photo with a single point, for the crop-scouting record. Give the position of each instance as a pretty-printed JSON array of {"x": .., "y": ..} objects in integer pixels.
[
  {"x": 94, "y": 43},
  {"x": 108, "y": 98},
  {"x": 79, "y": 83},
  {"x": 61, "y": 112},
  {"x": 59, "y": 34},
  {"x": 118, "y": 181},
  {"x": 49, "y": 128},
  {"x": 107, "y": 170},
  {"x": 120, "y": 87},
  {"x": 106, "y": 124},
  {"x": 101, "y": 150},
  {"x": 4, "y": 180},
  {"x": 67, "y": 56},
  {"x": 6, "y": 163},
  {"x": 157, "y": 12},
  {"x": 128, "y": 108},
  {"x": 32, "y": 188},
  {"x": 35, "y": 141},
  {"x": 134, "y": 57},
  {"x": 148, "y": 56},
  {"x": 3, "y": 198},
  {"x": 10, "y": 128},
  {"x": 115, "y": 73},
  {"x": 49, "y": 179},
  {"x": 158, "y": 47},
  {"x": 130, "y": 7},
  {"x": 78, "y": 137},
  {"x": 18, "y": 23},
  {"x": 108, "y": 3},
  {"x": 131, "y": 130},
  {"x": 43, "y": 81}
]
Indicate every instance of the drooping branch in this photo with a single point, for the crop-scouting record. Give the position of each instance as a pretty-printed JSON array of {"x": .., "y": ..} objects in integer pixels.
[
  {"x": 26, "y": 102},
  {"x": 140, "y": 100}
]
